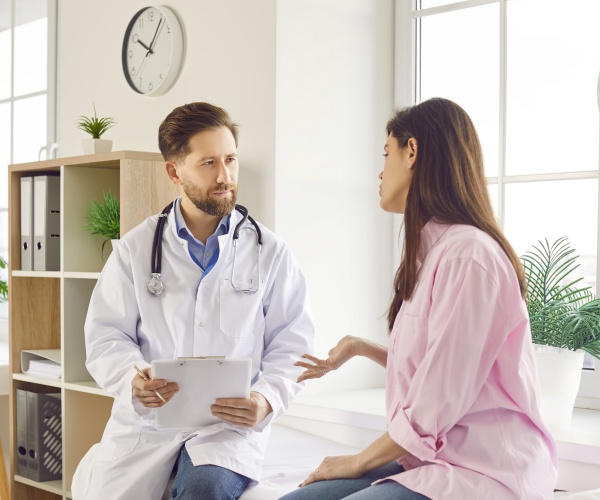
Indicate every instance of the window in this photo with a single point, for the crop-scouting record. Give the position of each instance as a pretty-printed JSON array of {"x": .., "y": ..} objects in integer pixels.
[
  {"x": 27, "y": 94},
  {"x": 527, "y": 72}
]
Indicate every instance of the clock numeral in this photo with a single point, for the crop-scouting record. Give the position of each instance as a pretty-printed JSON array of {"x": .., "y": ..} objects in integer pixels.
[
  {"x": 141, "y": 23},
  {"x": 169, "y": 29},
  {"x": 161, "y": 77},
  {"x": 134, "y": 38},
  {"x": 130, "y": 54},
  {"x": 133, "y": 71},
  {"x": 151, "y": 16},
  {"x": 150, "y": 86},
  {"x": 140, "y": 85}
]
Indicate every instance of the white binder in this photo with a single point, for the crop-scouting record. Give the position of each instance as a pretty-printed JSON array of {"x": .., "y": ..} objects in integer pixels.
[
  {"x": 46, "y": 223},
  {"x": 27, "y": 223}
]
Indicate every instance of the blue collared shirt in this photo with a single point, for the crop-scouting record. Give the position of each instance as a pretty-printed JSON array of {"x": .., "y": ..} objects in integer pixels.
[{"x": 205, "y": 256}]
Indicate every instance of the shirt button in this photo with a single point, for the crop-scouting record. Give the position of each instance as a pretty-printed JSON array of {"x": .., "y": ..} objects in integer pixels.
[{"x": 201, "y": 323}]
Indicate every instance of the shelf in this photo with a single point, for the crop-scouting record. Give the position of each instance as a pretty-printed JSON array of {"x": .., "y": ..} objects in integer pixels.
[
  {"x": 365, "y": 409},
  {"x": 23, "y": 377},
  {"x": 51, "y": 313},
  {"x": 82, "y": 276},
  {"x": 358, "y": 408},
  {"x": 51, "y": 486},
  {"x": 35, "y": 274},
  {"x": 87, "y": 387}
]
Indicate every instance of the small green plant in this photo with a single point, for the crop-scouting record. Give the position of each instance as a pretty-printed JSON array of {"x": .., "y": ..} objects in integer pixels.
[
  {"x": 3, "y": 284},
  {"x": 95, "y": 126},
  {"x": 562, "y": 313},
  {"x": 104, "y": 218}
]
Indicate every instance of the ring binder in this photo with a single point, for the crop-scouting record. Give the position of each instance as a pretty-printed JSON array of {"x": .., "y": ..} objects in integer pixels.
[
  {"x": 27, "y": 223},
  {"x": 46, "y": 223}
]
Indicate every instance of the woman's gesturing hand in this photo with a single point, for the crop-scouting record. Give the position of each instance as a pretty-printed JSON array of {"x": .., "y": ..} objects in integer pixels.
[{"x": 345, "y": 349}]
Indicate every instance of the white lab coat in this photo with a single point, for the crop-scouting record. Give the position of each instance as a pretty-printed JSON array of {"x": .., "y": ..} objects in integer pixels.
[{"x": 126, "y": 325}]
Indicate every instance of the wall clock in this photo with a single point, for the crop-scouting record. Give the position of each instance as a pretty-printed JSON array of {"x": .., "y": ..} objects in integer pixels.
[{"x": 152, "y": 50}]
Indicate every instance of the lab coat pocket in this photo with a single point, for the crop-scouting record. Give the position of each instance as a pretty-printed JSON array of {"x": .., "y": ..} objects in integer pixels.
[
  {"x": 241, "y": 314},
  {"x": 118, "y": 442}
]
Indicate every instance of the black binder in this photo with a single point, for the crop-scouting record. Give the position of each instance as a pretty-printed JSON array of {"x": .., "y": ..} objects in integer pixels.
[{"x": 44, "y": 436}]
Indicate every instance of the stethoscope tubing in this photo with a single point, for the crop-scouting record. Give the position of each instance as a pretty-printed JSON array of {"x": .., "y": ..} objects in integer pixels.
[{"x": 155, "y": 285}]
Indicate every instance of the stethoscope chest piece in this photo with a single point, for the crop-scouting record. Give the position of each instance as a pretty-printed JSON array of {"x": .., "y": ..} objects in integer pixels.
[{"x": 155, "y": 285}]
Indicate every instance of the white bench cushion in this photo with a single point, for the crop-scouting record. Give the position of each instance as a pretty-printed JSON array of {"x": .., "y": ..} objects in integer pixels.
[{"x": 291, "y": 456}]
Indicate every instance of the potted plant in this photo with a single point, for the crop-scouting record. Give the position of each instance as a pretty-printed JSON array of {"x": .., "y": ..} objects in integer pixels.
[
  {"x": 104, "y": 218},
  {"x": 3, "y": 284},
  {"x": 565, "y": 323},
  {"x": 96, "y": 127}
]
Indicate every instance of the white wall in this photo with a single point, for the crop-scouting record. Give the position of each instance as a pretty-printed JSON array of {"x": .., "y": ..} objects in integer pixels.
[
  {"x": 334, "y": 96},
  {"x": 311, "y": 84},
  {"x": 229, "y": 61}
]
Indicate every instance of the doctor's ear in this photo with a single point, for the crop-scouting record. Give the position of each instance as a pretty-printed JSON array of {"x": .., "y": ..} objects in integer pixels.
[{"x": 172, "y": 172}]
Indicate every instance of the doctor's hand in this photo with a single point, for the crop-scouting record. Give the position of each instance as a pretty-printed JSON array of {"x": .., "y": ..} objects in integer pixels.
[
  {"x": 144, "y": 390},
  {"x": 245, "y": 412},
  {"x": 346, "y": 349}
]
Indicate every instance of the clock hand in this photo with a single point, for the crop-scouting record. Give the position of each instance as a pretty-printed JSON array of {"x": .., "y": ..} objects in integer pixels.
[
  {"x": 160, "y": 24},
  {"x": 150, "y": 51},
  {"x": 142, "y": 66}
]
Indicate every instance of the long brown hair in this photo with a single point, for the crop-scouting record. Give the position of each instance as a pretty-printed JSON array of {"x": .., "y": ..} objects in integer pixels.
[{"x": 448, "y": 183}]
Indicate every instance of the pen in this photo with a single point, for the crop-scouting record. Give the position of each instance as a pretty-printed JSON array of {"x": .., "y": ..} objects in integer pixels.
[{"x": 143, "y": 375}]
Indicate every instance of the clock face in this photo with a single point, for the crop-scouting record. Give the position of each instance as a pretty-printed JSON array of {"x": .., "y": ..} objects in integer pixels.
[{"x": 152, "y": 50}]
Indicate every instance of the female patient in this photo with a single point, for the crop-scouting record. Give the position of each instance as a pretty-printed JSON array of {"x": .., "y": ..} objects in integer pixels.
[{"x": 462, "y": 391}]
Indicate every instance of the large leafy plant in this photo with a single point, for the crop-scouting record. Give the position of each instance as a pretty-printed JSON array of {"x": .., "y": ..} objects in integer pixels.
[
  {"x": 563, "y": 312},
  {"x": 95, "y": 126},
  {"x": 104, "y": 218}
]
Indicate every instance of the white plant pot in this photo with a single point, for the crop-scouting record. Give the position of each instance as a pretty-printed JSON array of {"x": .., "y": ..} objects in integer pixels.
[
  {"x": 94, "y": 146},
  {"x": 559, "y": 371}
]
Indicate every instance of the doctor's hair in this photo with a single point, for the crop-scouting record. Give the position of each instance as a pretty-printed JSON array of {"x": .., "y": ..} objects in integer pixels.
[
  {"x": 448, "y": 184},
  {"x": 186, "y": 121}
]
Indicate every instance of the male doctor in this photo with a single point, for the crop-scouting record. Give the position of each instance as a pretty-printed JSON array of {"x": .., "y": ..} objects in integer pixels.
[{"x": 199, "y": 313}]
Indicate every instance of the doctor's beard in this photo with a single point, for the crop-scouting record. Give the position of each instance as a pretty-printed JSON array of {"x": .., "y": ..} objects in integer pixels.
[{"x": 204, "y": 201}]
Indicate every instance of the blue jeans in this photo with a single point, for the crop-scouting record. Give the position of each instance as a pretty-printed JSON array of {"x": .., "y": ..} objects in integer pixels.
[
  {"x": 205, "y": 481},
  {"x": 359, "y": 488}
]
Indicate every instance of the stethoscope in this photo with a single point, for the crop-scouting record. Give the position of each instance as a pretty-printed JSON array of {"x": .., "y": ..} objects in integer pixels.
[{"x": 156, "y": 287}]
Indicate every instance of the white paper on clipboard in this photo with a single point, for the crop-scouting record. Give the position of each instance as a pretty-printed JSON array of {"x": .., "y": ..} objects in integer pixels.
[{"x": 201, "y": 382}]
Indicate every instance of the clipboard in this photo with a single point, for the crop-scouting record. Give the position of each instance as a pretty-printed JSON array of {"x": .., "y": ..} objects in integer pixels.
[{"x": 201, "y": 381}]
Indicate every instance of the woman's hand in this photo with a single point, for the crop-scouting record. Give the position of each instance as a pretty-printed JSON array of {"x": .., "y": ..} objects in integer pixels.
[
  {"x": 346, "y": 349},
  {"x": 336, "y": 468}
]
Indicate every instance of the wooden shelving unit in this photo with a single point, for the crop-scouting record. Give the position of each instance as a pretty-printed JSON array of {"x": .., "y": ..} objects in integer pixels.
[{"x": 47, "y": 309}]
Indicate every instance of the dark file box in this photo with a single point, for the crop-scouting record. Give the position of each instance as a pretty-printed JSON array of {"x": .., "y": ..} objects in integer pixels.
[{"x": 44, "y": 436}]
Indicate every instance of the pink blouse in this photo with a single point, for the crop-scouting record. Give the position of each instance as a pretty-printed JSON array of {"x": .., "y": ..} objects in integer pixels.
[{"x": 462, "y": 390}]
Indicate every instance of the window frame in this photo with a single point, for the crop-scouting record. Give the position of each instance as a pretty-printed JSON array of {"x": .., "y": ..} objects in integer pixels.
[
  {"x": 51, "y": 103},
  {"x": 407, "y": 92}
]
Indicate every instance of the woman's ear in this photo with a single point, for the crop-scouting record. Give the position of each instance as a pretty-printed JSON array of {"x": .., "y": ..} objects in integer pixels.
[{"x": 412, "y": 151}]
